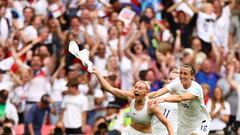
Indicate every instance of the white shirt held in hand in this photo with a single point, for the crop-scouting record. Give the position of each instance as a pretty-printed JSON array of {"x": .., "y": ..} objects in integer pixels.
[{"x": 83, "y": 55}]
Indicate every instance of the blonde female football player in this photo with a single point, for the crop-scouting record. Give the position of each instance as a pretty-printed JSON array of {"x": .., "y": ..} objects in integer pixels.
[
  {"x": 193, "y": 118},
  {"x": 141, "y": 112}
]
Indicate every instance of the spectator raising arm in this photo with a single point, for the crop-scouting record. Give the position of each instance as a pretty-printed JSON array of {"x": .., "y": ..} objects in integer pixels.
[
  {"x": 216, "y": 51},
  {"x": 143, "y": 31},
  {"x": 193, "y": 8},
  {"x": 177, "y": 43},
  {"x": 129, "y": 44},
  {"x": 232, "y": 3},
  {"x": 55, "y": 74},
  {"x": 173, "y": 7}
]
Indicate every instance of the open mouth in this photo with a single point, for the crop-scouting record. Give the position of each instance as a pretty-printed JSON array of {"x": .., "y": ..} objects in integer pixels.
[{"x": 136, "y": 94}]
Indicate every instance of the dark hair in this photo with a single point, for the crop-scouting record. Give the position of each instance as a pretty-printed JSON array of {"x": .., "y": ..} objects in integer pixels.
[
  {"x": 151, "y": 8},
  {"x": 193, "y": 38},
  {"x": 142, "y": 74},
  {"x": 14, "y": 14},
  {"x": 182, "y": 12},
  {"x": 8, "y": 120},
  {"x": 58, "y": 131},
  {"x": 102, "y": 126},
  {"x": 2, "y": 71},
  {"x": 74, "y": 17},
  {"x": 112, "y": 77},
  {"x": 113, "y": 1},
  {"x": 101, "y": 129},
  {"x": 2, "y": 6},
  {"x": 45, "y": 99},
  {"x": 151, "y": 69},
  {"x": 190, "y": 66},
  {"x": 145, "y": 19},
  {"x": 7, "y": 131},
  {"x": 144, "y": 46},
  {"x": 25, "y": 8},
  {"x": 36, "y": 55},
  {"x": 4, "y": 94}
]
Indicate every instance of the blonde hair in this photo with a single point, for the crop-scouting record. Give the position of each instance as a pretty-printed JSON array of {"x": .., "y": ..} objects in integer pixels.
[
  {"x": 205, "y": 85},
  {"x": 147, "y": 83},
  {"x": 175, "y": 71},
  {"x": 164, "y": 48},
  {"x": 214, "y": 100}
]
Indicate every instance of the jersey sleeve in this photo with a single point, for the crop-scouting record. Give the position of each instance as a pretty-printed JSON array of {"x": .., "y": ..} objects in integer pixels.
[
  {"x": 172, "y": 85},
  {"x": 196, "y": 90}
]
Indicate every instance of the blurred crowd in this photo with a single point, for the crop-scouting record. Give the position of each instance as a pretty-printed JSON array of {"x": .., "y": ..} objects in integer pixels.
[{"x": 41, "y": 83}]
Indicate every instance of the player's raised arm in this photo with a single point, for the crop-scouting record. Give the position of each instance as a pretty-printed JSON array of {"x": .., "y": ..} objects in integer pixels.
[{"x": 115, "y": 91}]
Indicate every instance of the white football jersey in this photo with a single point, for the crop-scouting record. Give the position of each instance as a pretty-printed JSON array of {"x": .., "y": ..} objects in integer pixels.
[
  {"x": 192, "y": 113},
  {"x": 170, "y": 111}
]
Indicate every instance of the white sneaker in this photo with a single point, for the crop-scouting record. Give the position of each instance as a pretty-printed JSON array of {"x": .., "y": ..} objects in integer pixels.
[{"x": 83, "y": 55}]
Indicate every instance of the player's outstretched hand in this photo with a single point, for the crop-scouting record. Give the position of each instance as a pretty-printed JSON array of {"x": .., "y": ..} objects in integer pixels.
[
  {"x": 152, "y": 103},
  {"x": 94, "y": 70}
]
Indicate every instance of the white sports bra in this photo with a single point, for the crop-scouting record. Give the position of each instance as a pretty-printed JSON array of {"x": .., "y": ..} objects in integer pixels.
[{"x": 140, "y": 116}]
